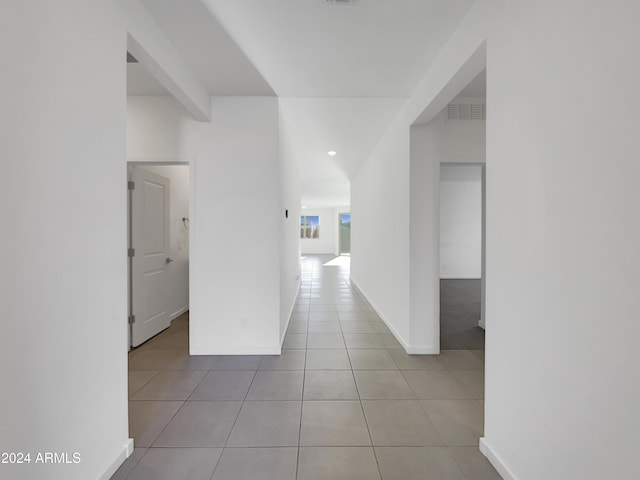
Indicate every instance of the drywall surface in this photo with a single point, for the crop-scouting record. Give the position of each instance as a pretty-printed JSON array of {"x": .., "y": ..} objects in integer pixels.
[
  {"x": 289, "y": 227},
  {"x": 63, "y": 203},
  {"x": 562, "y": 230},
  {"x": 236, "y": 211},
  {"x": 438, "y": 142},
  {"x": 562, "y": 240},
  {"x": 178, "y": 269},
  {"x": 384, "y": 258},
  {"x": 460, "y": 141},
  {"x": 148, "y": 43},
  {"x": 156, "y": 129},
  {"x": 326, "y": 241},
  {"x": 424, "y": 240},
  {"x": 460, "y": 221},
  {"x": 380, "y": 231},
  {"x": 235, "y": 228}
]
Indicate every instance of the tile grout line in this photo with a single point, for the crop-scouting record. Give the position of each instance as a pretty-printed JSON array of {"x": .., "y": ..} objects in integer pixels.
[
  {"x": 320, "y": 288},
  {"x": 304, "y": 379},
  {"x": 366, "y": 422},
  {"x": 164, "y": 428},
  {"x": 145, "y": 384},
  {"x": 244, "y": 400}
]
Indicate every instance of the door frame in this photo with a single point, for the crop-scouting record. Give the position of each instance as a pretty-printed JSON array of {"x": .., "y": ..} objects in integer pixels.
[
  {"x": 483, "y": 239},
  {"x": 160, "y": 161}
]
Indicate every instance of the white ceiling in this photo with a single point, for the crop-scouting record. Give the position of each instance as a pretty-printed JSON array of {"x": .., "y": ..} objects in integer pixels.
[
  {"x": 305, "y": 48},
  {"x": 349, "y": 126},
  {"x": 341, "y": 72},
  {"x": 212, "y": 54}
]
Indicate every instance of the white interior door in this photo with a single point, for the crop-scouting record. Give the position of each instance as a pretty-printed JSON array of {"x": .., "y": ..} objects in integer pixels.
[{"x": 150, "y": 261}]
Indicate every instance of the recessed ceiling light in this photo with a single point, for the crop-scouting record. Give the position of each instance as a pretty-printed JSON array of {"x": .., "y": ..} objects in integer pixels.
[{"x": 332, "y": 153}]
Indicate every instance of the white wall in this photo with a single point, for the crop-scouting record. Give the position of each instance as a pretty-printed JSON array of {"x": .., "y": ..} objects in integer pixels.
[
  {"x": 289, "y": 227},
  {"x": 326, "y": 242},
  {"x": 178, "y": 270},
  {"x": 235, "y": 228},
  {"x": 404, "y": 247},
  {"x": 562, "y": 229},
  {"x": 562, "y": 241},
  {"x": 148, "y": 43},
  {"x": 156, "y": 129},
  {"x": 380, "y": 230},
  {"x": 63, "y": 205},
  {"x": 460, "y": 141},
  {"x": 460, "y": 221},
  {"x": 433, "y": 144},
  {"x": 236, "y": 215}
]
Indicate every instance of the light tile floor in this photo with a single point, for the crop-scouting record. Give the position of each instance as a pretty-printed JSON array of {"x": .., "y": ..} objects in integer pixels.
[{"x": 343, "y": 401}]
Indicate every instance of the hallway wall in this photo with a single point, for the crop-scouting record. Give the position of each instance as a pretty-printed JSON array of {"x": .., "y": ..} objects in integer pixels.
[
  {"x": 562, "y": 230},
  {"x": 63, "y": 203},
  {"x": 562, "y": 241},
  {"x": 235, "y": 277},
  {"x": 235, "y": 225},
  {"x": 290, "y": 265},
  {"x": 431, "y": 145},
  {"x": 156, "y": 127},
  {"x": 562, "y": 227},
  {"x": 380, "y": 237}
]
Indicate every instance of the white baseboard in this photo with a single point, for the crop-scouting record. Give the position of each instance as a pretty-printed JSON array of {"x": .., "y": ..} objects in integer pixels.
[
  {"x": 393, "y": 331},
  {"x": 179, "y": 312},
  {"x": 126, "y": 451},
  {"x": 293, "y": 305},
  {"x": 460, "y": 277},
  {"x": 424, "y": 350},
  {"x": 226, "y": 350},
  {"x": 500, "y": 467},
  {"x": 482, "y": 324}
]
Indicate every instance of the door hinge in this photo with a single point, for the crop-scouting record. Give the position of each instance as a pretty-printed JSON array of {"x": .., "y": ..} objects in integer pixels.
[
  {"x": 132, "y": 319},
  {"x": 131, "y": 252},
  {"x": 131, "y": 185}
]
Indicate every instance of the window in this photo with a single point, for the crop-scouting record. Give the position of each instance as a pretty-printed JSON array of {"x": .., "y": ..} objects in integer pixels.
[{"x": 309, "y": 226}]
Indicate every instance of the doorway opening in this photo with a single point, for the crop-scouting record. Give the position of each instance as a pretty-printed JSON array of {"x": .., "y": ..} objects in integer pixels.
[
  {"x": 462, "y": 256},
  {"x": 344, "y": 233},
  {"x": 158, "y": 250}
]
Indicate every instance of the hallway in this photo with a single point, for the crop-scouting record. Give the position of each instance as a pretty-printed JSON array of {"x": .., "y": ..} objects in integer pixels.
[{"x": 343, "y": 401}]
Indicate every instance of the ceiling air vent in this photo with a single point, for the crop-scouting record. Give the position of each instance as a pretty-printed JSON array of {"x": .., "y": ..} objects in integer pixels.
[
  {"x": 338, "y": 3},
  {"x": 477, "y": 112},
  {"x": 466, "y": 111}
]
